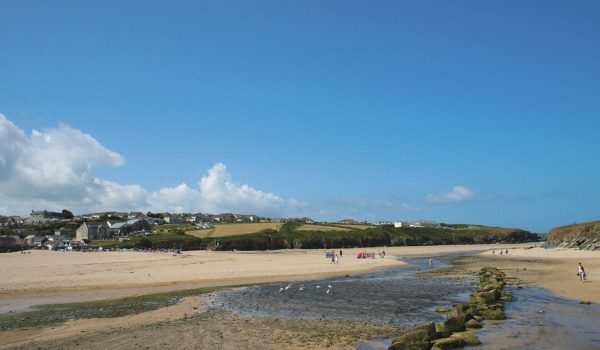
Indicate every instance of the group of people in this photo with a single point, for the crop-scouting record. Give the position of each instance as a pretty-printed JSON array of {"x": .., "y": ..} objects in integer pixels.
[
  {"x": 335, "y": 259},
  {"x": 502, "y": 251}
]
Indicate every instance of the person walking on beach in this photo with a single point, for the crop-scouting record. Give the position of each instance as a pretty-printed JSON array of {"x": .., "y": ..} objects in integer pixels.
[
  {"x": 340, "y": 253},
  {"x": 581, "y": 272}
]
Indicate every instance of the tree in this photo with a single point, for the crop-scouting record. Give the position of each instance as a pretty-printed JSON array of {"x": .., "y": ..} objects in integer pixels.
[
  {"x": 144, "y": 243},
  {"x": 67, "y": 214}
]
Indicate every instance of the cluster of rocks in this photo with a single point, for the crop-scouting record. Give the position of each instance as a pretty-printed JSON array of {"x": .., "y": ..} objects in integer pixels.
[
  {"x": 583, "y": 243},
  {"x": 487, "y": 303}
]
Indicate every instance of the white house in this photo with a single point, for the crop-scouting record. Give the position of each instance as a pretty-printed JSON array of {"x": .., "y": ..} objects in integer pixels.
[{"x": 401, "y": 224}]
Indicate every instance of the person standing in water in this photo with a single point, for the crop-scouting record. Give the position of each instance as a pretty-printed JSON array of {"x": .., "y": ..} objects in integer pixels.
[{"x": 431, "y": 262}]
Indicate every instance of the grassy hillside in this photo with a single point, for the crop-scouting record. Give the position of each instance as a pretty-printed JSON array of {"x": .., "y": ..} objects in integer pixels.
[
  {"x": 299, "y": 236},
  {"x": 583, "y": 231},
  {"x": 292, "y": 235}
]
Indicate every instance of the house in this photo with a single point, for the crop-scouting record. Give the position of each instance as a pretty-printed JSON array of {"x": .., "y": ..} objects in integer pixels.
[
  {"x": 226, "y": 217},
  {"x": 13, "y": 221},
  {"x": 199, "y": 218},
  {"x": 384, "y": 223},
  {"x": 10, "y": 242},
  {"x": 43, "y": 216},
  {"x": 424, "y": 223},
  {"x": 34, "y": 241},
  {"x": 135, "y": 215},
  {"x": 55, "y": 242},
  {"x": 401, "y": 224},
  {"x": 130, "y": 226},
  {"x": 92, "y": 232},
  {"x": 155, "y": 221},
  {"x": 63, "y": 231},
  {"x": 173, "y": 219},
  {"x": 245, "y": 218}
]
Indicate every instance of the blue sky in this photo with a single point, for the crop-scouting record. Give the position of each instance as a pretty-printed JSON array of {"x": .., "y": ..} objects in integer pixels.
[{"x": 470, "y": 111}]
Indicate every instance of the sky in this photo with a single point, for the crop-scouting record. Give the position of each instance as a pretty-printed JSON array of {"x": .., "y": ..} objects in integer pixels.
[{"x": 482, "y": 112}]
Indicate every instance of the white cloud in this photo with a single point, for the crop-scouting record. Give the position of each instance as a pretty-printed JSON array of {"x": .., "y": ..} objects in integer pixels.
[
  {"x": 458, "y": 194},
  {"x": 54, "y": 169}
]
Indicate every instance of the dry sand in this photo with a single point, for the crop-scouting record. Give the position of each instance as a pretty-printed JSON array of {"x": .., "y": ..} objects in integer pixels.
[{"x": 551, "y": 269}]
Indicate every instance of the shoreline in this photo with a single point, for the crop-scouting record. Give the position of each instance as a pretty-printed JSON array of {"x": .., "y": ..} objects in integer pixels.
[
  {"x": 344, "y": 333},
  {"x": 550, "y": 269},
  {"x": 45, "y": 277}
]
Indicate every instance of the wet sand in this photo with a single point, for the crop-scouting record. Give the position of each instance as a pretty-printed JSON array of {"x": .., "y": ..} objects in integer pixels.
[{"x": 183, "y": 327}]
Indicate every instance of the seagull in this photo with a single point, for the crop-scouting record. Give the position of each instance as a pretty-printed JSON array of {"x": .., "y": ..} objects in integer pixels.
[
  {"x": 288, "y": 286},
  {"x": 329, "y": 286},
  {"x": 318, "y": 287},
  {"x": 327, "y": 291},
  {"x": 281, "y": 289},
  {"x": 301, "y": 288}
]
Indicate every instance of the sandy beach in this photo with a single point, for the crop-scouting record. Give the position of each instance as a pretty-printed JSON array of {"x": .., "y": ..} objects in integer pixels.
[
  {"x": 552, "y": 269},
  {"x": 44, "y": 277},
  {"x": 53, "y": 277}
]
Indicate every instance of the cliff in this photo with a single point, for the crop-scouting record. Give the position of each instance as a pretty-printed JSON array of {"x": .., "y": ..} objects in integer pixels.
[{"x": 585, "y": 236}]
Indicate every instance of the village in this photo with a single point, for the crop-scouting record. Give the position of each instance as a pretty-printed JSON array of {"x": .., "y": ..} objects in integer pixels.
[{"x": 63, "y": 230}]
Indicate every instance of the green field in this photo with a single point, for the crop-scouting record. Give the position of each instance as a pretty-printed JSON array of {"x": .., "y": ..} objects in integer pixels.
[
  {"x": 224, "y": 230},
  {"x": 332, "y": 227}
]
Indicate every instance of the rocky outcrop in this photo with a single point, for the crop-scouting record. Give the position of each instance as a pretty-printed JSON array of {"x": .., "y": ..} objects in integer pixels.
[
  {"x": 585, "y": 236},
  {"x": 487, "y": 303},
  {"x": 419, "y": 338}
]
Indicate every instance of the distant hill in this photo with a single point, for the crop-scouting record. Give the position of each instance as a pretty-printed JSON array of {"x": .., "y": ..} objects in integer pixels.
[
  {"x": 295, "y": 235},
  {"x": 584, "y": 236}
]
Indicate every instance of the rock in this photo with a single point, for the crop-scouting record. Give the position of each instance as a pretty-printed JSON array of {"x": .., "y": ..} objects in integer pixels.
[
  {"x": 486, "y": 297},
  {"x": 468, "y": 338},
  {"x": 585, "y": 302},
  {"x": 415, "y": 339},
  {"x": 496, "y": 314},
  {"x": 442, "y": 309},
  {"x": 473, "y": 324},
  {"x": 448, "y": 343},
  {"x": 456, "y": 319}
]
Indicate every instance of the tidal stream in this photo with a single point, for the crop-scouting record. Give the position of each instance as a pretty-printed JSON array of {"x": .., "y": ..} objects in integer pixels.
[{"x": 537, "y": 319}]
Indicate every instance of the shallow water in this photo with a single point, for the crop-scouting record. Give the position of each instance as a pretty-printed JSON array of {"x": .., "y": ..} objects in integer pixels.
[
  {"x": 537, "y": 319},
  {"x": 391, "y": 296}
]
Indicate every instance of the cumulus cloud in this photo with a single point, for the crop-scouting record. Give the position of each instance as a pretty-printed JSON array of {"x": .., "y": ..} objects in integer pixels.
[
  {"x": 54, "y": 169},
  {"x": 458, "y": 194}
]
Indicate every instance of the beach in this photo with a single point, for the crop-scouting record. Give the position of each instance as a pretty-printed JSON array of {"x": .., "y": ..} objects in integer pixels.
[
  {"x": 54, "y": 277},
  {"x": 552, "y": 269}
]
